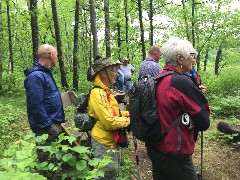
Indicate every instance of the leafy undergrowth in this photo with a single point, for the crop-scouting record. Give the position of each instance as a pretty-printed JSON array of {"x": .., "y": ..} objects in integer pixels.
[{"x": 220, "y": 159}]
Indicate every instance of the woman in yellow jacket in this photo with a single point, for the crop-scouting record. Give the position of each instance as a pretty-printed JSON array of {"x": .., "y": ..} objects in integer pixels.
[{"x": 103, "y": 107}]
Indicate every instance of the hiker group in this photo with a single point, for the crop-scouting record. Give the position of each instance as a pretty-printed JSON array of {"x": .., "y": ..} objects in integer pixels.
[{"x": 167, "y": 108}]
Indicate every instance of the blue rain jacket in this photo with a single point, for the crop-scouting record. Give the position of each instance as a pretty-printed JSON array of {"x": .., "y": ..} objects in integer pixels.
[{"x": 44, "y": 103}]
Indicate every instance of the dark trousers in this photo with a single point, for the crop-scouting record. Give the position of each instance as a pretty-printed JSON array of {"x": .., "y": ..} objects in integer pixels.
[
  {"x": 171, "y": 168},
  {"x": 53, "y": 131}
]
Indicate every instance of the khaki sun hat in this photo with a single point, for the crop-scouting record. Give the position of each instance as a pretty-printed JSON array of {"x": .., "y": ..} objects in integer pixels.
[{"x": 100, "y": 64}]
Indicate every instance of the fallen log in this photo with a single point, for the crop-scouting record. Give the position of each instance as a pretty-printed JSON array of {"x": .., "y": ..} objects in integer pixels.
[{"x": 230, "y": 129}]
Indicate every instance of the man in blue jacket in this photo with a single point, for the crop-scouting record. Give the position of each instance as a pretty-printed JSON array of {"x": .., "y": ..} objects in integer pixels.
[{"x": 44, "y": 103}]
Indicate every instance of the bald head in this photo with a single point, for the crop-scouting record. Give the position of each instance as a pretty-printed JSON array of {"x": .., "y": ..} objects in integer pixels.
[
  {"x": 44, "y": 50},
  {"x": 47, "y": 55},
  {"x": 155, "y": 52}
]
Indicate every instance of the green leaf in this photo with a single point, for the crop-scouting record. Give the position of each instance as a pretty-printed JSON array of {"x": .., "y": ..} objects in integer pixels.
[
  {"x": 65, "y": 147},
  {"x": 43, "y": 164},
  {"x": 72, "y": 161},
  {"x": 94, "y": 162},
  {"x": 44, "y": 137},
  {"x": 38, "y": 139},
  {"x": 9, "y": 152},
  {"x": 50, "y": 166},
  {"x": 105, "y": 161},
  {"x": 58, "y": 155},
  {"x": 70, "y": 139},
  {"x": 61, "y": 138},
  {"x": 81, "y": 149},
  {"x": 66, "y": 157},
  {"x": 94, "y": 173},
  {"x": 81, "y": 165}
]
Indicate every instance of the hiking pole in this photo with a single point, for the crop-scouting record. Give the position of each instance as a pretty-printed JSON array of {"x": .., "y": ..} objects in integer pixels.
[
  {"x": 201, "y": 155},
  {"x": 136, "y": 156}
]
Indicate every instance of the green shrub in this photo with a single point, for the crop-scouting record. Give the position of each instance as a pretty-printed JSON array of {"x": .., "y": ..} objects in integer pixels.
[
  {"x": 223, "y": 92},
  {"x": 228, "y": 106},
  {"x": 20, "y": 160},
  {"x": 226, "y": 84},
  {"x": 13, "y": 83}
]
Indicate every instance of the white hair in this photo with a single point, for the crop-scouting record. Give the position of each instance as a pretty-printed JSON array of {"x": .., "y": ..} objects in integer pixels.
[{"x": 176, "y": 46}]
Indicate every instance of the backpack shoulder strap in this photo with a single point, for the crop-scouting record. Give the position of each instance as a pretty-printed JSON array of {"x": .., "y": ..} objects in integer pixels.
[{"x": 164, "y": 75}]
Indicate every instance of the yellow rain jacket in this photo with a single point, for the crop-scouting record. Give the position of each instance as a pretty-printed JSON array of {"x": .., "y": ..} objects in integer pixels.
[{"x": 103, "y": 107}]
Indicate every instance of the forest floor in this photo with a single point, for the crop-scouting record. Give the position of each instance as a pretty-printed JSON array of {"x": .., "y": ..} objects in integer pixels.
[{"x": 220, "y": 159}]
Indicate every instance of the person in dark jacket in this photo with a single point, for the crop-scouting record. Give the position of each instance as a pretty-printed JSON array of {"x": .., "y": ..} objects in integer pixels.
[
  {"x": 119, "y": 81},
  {"x": 44, "y": 103},
  {"x": 179, "y": 98}
]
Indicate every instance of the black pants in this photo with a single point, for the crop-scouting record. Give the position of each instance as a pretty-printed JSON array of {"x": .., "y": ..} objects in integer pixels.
[
  {"x": 171, "y": 168},
  {"x": 53, "y": 131}
]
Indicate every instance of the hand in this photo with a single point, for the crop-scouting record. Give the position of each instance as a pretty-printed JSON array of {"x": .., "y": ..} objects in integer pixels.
[
  {"x": 125, "y": 114},
  {"x": 203, "y": 89}
]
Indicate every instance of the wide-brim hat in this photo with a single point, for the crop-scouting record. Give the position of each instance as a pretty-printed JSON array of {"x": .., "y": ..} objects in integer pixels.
[
  {"x": 118, "y": 62},
  {"x": 100, "y": 64}
]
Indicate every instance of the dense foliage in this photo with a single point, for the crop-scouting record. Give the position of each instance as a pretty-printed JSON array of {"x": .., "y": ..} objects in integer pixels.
[{"x": 212, "y": 26}]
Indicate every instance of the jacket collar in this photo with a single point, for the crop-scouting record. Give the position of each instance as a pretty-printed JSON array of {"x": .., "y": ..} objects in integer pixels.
[
  {"x": 172, "y": 68},
  {"x": 98, "y": 82},
  {"x": 37, "y": 67}
]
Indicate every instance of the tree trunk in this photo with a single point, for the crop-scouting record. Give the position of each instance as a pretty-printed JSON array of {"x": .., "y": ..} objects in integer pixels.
[
  {"x": 49, "y": 21},
  {"x": 126, "y": 25},
  {"x": 59, "y": 45},
  {"x": 34, "y": 26},
  {"x": 193, "y": 25},
  {"x": 119, "y": 39},
  {"x": 151, "y": 22},
  {"x": 198, "y": 61},
  {"x": 10, "y": 48},
  {"x": 1, "y": 48},
  {"x": 205, "y": 61},
  {"x": 218, "y": 59},
  {"x": 93, "y": 28},
  {"x": 141, "y": 28},
  {"x": 75, "y": 49},
  {"x": 107, "y": 28},
  {"x": 185, "y": 19},
  {"x": 88, "y": 47}
]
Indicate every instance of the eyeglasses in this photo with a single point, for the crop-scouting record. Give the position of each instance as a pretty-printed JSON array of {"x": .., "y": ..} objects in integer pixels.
[{"x": 193, "y": 55}]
